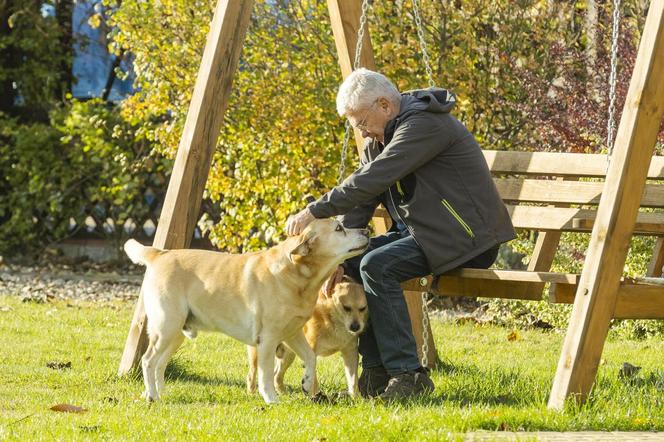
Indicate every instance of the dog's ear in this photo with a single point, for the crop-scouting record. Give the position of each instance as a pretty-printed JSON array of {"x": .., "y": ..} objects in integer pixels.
[{"x": 303, "y": 248}]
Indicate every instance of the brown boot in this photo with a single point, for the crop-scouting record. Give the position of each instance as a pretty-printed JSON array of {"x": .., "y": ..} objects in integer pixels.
[
  {"x": 373, "y": 381},
  {"x": 408, "y": 385}
]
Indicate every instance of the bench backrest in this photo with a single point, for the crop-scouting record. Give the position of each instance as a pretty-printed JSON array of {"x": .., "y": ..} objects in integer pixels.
[{"x": 532, "y": 184}]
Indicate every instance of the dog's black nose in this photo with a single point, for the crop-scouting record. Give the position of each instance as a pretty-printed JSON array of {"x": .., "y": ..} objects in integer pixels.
[{"x": 354, "y": 327}]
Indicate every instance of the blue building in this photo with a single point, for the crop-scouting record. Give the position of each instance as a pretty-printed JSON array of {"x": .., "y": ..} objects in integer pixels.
[{"x": 92, "y": 62}]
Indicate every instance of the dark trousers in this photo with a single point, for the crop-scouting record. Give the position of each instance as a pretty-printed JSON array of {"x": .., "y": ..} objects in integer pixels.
[{"x": 391, "y": 259}]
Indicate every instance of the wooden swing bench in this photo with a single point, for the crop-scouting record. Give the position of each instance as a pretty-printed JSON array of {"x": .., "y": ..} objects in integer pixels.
[{"x": 553, "y": 193}]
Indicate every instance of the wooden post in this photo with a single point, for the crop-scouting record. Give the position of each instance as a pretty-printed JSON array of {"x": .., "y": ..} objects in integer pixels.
[
  {"x": 199, "y": 139},
  {"x": 595, "y": 300},
  {"x": 345, "y": 19},
  {"x": 657, "y": 261}
]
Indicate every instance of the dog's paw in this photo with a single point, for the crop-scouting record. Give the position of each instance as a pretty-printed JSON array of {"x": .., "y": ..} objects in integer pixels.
[{"x": 270, "y": 400}]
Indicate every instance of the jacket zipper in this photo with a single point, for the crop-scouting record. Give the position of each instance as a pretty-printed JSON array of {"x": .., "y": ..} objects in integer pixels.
[
  {"x": 399, "y": 189},
  {"x": 454, "y": 213},
  {"x": 396, "y": 209}
]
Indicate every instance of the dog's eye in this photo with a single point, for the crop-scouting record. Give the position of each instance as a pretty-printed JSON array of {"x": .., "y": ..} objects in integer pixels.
[
  {"x": 362, "y": 309},
  {"x": 339, "y": 228},
  {"x": 346, "y": 308}
]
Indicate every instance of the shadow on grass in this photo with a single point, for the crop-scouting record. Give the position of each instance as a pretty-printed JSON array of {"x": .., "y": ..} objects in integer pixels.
[
  {"x": 178, "y": 371},
  {"x": 472, "y": 385}
]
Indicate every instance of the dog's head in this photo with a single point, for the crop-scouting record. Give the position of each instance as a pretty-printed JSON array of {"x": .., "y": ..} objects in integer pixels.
[
  {"x": 328, "y": 240},
  {"x": 350, "y": 303}
]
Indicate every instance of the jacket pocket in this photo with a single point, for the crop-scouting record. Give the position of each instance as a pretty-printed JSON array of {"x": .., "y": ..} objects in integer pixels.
[{"x": 456, "y": 216}]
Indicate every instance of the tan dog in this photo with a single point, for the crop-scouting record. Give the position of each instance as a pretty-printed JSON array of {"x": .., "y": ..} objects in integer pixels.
[
  {"x": 260, "y": 298},
  {"x": 337, "y": 321}
]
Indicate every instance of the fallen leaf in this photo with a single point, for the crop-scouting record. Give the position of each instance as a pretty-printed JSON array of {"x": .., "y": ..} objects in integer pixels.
[
  {"x": 89, "y": 428},
  {"x": 628, "y": 370},
  {"x": 58, "y": 365},
  {"x": 542, "y": 325},
  {"x": 68, "y": 408},
  {"x": 513, "y": 336}
]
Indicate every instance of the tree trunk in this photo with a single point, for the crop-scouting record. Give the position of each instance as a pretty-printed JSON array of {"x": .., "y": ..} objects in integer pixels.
[
  {"x": 590, "y": 30},
  {"x": 7, "y": 62},
  {"x": 64, "y": 10}
]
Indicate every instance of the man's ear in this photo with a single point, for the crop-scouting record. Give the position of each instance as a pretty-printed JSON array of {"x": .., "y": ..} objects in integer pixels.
[{"x": 303, "y": 248}]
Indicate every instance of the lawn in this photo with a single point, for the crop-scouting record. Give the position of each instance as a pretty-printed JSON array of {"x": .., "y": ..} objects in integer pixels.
[{"x": 486, "y": 382}]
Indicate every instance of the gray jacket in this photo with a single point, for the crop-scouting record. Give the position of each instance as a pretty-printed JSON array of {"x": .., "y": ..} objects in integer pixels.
[{"x": 433, "y": 171}]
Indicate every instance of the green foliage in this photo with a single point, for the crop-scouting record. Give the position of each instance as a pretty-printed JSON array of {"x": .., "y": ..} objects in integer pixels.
[
  {"x": 87, "y": 160},
  {"x": 31, "y": 56}
]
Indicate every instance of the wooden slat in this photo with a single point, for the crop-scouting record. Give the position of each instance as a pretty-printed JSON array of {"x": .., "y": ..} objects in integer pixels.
[
  {"x": 515, "y": 275},
  {"x": 642, "y": 226},
  {"x": 345, "y": 21},
  {"x": 458, "y": 286},
  {"x": 597, "y": 293},
  {"x": 635, "y": 301},
  {"x": 180, "y": 212},
  {"x": 571, "y": 219},
  {"x": 657, "y": 260},
  {"x": 567, "y": 192},
  {"x": 558, "y": 164}
]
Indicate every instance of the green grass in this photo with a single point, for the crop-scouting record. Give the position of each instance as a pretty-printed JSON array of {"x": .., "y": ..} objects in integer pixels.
[{"x": 487, "y": 382}]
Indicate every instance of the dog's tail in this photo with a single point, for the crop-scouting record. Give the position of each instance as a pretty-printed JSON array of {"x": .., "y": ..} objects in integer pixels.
[{"x": 140, "y": 254}]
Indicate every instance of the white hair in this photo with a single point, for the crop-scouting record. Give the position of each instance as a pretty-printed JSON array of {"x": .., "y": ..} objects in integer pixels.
[{"x": 362, "y": 88}]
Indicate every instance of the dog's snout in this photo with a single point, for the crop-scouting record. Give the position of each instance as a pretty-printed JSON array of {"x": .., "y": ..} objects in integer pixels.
[{"x": 354, "y": 326}]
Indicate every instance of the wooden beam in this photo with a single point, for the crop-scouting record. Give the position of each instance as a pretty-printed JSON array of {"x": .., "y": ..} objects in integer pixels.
[
  {"x": 635, "y": 301},
  {"x": 571, "y": 219},
  {"x": 596, "y": 297},
  {"x": 558, "y": 164},
  {"x": 486, "y": 288},
  {"x": 567, "y": 192},
  {"x": 515, "y": 275},
  {"x": 647, "y": 223},
  {"x": 345, "y": 19},
  {"x": 180, "y": 212},
  {"x": 657, "y": 261}
]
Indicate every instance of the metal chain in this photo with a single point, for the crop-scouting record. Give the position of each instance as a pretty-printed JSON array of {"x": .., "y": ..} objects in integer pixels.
[
  {"x": 423, "y": 44},
  {"x": 611, "y": 124},
  {"x": 425, "y": 330},
  {"x": 356, "y": 64},
  {"x": 427, "y": 66}
]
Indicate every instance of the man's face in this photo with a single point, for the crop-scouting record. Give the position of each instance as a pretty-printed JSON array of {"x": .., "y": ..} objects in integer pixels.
[{"x": 372, "y": 120}]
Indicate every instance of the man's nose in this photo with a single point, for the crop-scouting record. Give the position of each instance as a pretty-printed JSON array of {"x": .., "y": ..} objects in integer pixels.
[
  {"x": 365, "y": 232},
  {"x": 365, "y": 134}
]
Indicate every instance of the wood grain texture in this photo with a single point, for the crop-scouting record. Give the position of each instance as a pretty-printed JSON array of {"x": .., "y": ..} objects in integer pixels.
[
  {"x": 180, "y": 211},
  {"x": 597, "y": 293}
]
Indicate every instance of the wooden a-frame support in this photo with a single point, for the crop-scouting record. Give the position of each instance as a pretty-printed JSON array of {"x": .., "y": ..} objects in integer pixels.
[{"x": 596, "y": 295}]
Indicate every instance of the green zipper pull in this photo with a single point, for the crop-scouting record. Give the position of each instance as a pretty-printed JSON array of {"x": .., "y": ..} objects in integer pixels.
[{"x": 399, "y": 189}]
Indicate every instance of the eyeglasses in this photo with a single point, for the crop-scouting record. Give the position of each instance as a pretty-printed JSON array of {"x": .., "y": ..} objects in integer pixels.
[{"x": 362, "y": 124}]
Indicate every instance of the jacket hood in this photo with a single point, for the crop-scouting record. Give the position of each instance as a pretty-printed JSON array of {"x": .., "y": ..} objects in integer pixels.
[{"x": 434, "y": 99}]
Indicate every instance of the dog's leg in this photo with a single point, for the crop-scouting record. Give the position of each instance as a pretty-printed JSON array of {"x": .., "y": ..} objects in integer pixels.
[
  {"x": 298, "y": 343},
  {"x": 176, "y": 342},
  {"x": 253, "y": 364},
  {"x": 266, "y": 350},
  {"x": 351, "y": 356},
  {"x": 148, "y": 362},
  {"x": 284, "y": 360}
]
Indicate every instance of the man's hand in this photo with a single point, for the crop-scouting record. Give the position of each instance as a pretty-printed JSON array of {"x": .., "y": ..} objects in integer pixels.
[
  {"x": 333, "y": 280},
  {"x": 295, "y": 224}
]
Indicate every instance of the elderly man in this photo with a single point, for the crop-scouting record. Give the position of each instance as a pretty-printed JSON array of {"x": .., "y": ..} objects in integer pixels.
[{"x": 425, "y": 167}]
